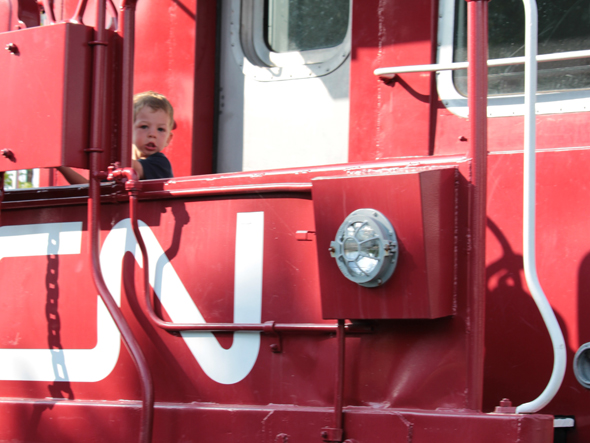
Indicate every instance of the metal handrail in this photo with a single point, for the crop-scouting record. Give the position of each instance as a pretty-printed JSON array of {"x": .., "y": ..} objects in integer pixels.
[
  {"x": 389, "y": 73},
  {"x": 530, "y": 266}
]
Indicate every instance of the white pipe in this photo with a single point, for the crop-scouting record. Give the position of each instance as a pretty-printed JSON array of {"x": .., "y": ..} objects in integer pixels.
[
  {"x": 391, "y": 72},
  {"x": 530, "y": 267}
]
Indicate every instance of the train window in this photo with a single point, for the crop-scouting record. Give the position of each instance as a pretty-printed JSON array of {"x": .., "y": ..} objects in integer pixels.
[
  {"x": 304, "y": 25},
  {"x": 563, "y": 26},
  {"x": 564, "y": 86},
  {"x": 290, "y": 39}
]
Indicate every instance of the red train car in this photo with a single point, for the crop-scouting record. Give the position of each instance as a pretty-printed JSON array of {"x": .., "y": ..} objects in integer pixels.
[{"x": 343, "y": 254}]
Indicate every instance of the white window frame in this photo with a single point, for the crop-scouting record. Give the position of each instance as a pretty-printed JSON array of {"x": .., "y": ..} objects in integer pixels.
[
  {"x": 498, "y": 106},
  {"x": 260, "y": 63}
]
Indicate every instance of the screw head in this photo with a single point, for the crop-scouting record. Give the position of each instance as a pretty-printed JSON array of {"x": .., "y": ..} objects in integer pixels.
[{"x": 12, "y": 48}]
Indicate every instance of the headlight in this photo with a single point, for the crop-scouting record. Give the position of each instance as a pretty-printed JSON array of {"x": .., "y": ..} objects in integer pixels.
[{"x": 365, "y": 248}]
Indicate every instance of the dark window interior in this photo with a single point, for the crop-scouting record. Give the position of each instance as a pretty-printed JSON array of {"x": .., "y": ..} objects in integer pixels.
[
  {"x": 303, "y": 25},
  {"x": 564, "y": 25}
]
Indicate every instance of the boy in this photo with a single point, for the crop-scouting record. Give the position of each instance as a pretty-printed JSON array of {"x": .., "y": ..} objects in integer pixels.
[{"x": 153, "y": 121}]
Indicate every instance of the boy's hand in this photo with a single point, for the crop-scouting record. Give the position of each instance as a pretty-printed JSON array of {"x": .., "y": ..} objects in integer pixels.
[{"x": 138, "y": 169}]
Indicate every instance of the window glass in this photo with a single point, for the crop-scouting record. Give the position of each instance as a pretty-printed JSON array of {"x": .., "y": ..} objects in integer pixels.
[
  {"x": 564, "y": 25},
  {"x": 303, "y": 25}
]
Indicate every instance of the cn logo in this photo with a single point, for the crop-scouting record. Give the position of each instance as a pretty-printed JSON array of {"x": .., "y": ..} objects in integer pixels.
[{"x": 226, "y": 366}]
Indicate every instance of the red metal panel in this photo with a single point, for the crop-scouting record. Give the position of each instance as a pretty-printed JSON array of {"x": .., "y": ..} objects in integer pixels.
[
  {"x": 518, "y": 349},
  {"x": 404, "y": 364},
  {"x": 52, "y": 422},
  {"x": 48, "y": 112},
  {"x": 421, "y": 207},
  {"x": 180, "y": 36},
  {"x": 384, "y": 118}
]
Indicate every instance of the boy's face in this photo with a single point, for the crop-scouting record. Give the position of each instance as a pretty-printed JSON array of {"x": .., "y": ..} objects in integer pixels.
[{"x": 151, "y": 131}]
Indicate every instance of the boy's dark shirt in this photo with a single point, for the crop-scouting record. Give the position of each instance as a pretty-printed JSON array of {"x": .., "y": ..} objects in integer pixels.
[{"x": 156, "y": 166}]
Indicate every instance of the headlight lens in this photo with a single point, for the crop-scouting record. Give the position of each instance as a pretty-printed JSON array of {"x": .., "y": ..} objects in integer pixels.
[{"x": 365, "y": 248}]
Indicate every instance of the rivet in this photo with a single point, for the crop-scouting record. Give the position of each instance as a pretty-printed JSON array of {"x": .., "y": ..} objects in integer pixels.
[{"x": 12, "y": 48}]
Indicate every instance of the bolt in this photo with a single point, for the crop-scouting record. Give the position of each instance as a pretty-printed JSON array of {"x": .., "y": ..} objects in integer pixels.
[
  {"x": 505, "y": 403},
  {"x": 462, "y": 138},
  {"x": 324, "y": 434},
  {"x": 12, "y": 48},
  {"x": 8, "y": 154}
]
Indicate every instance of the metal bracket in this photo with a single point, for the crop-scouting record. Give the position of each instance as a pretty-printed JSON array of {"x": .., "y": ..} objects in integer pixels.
[
  {"x": 269, "y": 328},
  {"x": 332, "y": 434},
  {"x": 505, "y": 407}
]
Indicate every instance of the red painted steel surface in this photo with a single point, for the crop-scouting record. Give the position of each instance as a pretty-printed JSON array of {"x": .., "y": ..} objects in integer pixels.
[
  {"x": 387, "y": 33},
  {"x": 562, "y": 260},
  {"x": 408, "y": 379},
  {"x": 477, "y": 49},
  {"x": 404, "y": 364},
  {"x": 421, "y": 208},
  {"x": 209, "y": 423}
]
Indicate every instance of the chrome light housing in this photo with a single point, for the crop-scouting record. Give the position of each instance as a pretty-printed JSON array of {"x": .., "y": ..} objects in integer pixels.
[{"x": 366, "y": 248}]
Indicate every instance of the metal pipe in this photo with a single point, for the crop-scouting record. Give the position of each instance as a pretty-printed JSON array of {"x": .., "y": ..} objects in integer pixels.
[
  {"x": 389, "y": 73},
  {"x": 96, "y": 143},
  {"x": 115, "y": 312},
  {"x": 229, "y": 190},
  {"x": 339, "y": 388},
  {"x": 132, "y": 185},
  {"x": 530, "y": 266},
  {"x": 128, "y": 32},
  {"x": 477, "y": 49},
  {"x": 172, "y": 193},
  {"x": 267, "y": 327},
  {"x": 335, "y": 434},
  {"x": 433, "y": 94}
]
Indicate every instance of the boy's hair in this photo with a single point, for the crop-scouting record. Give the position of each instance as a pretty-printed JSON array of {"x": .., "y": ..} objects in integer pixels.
[{"x": 155, "y": 102}]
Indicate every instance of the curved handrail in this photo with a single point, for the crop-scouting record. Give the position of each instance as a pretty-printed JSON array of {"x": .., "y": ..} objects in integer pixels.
[
  {"x": 530, "y": 267},
  {"x": 133, "y": 186},
  {"x": 95, "y": 150}
]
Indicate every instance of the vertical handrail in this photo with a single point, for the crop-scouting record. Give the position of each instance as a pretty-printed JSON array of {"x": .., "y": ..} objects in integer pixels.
[
  {"x": 530, "y": 266},
  {"x": 95, "y": 150},
  {"x": 128, "y": 31},
  {"x": 477, "y": 47}
]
